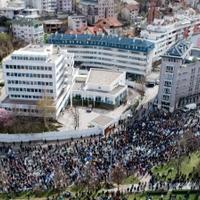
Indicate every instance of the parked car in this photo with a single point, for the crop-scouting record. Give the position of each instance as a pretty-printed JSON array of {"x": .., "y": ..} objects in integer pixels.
[{"x": 89, "y": 109}]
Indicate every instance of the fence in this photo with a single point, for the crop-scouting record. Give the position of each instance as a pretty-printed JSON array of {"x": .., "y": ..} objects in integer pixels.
[{"x": 49, "y": 136}]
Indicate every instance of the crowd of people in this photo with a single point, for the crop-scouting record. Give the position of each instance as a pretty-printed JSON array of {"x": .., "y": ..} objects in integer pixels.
[{"x": 136, "y": 146}]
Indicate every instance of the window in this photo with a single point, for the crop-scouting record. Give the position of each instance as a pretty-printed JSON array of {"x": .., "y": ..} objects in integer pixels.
[
  {"x": 168, "y": 83},
  {"x": 169, "y": 69}
]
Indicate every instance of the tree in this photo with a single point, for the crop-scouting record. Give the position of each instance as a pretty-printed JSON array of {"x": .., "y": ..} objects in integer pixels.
[
  {"x": 5, "y": 118},
  {"x": 117, "y": 174},
  {"x": 75, "y": 115},
  {"x": 46, "y": 108},
  {"x": 142, "y": 82}
]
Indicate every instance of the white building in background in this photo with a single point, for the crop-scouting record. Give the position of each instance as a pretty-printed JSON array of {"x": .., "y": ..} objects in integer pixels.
[
  {"x": 164, "y": 33},
  {"x": 50, "y": 5},
  {"x": 76, "y": 22},
  {"x": 130, "y": 10},
  {"x": 29, "y": 13},
  {"x": 101, "y": 88},
  {"x": 28, "y": 30},
  {"x": 3, "y": 3},
  {"x": 42, "y": 5},
  {"x": 97, "y": 9},
  {"x": 35, "y": 72},
  {"x": 179, "y": 77},
  {"x": 12, "y": 8},
  {"x": 132, "y": 56}
]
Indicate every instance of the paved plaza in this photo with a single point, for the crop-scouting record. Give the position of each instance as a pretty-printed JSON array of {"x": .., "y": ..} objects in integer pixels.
[{"x": 68, "y": 121}]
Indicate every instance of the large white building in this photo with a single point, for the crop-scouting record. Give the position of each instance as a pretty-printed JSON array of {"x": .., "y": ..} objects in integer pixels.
[
  {"x": 97, "y": 9},
  {"x": 164, "y": 33},
  {"x": 133, "y": 56},
  {"x": 179, "y": 77},
  {"x": 28, "y": 30},
  {"x": 101, "y": 88},
  {"x": 34, "y": 73}
]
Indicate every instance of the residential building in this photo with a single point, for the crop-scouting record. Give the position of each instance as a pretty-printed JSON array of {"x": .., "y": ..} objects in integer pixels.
[
  {"x": 29, "y": 13},
  {"x": 28, "y": 30},
  {"x": 165, "y": 32},
  {"x": 96, "y": 9},
  {"x": 133, "y": 56},
  {"x": 110, "y": 25},
  {"x": 179, "y": 77},
  {"x": 102, "y": 88},
  {"x": 16, "y": 3},
  {"x": 77, "y": 22},
  {"x": 37, "y": 72},
  {"x": 130, "y": 10},
  {"x": 3, "y": 3},
  {"x": 10, "y": 13},
  {"x": 54, "y": 25},
  {"x": 64, "y": 6},
  {"x": 42, "y": 5}
]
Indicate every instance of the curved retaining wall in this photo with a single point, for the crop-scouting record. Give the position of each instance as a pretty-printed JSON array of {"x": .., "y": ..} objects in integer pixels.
[{"x": 49, "y": 136}]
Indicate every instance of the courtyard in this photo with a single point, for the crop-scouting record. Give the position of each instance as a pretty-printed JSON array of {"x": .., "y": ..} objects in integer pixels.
[{"x": 79, "y": 115}]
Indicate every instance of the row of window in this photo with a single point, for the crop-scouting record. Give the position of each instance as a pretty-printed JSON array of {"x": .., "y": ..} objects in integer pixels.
[
  {"x": 21, "y": 110},
  {"x": 29, "y": 75},
  {"x": 16, "y": 82},
  {"x": 27, "y": 96},
  {"x": 28, "y": 58},
  {"x": 28, "y": 67},
  {"x": 30, "y": 90}
]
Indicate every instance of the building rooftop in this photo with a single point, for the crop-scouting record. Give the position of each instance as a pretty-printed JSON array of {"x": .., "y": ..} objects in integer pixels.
[
  {"x": 26, "y": 22},
  {"x": 136, "y": 44},
  {"x": 131, "y": 2},
  {"x": 109, "y": 22},
  {"x": 48, "y": 53},
  {"x": 179, "y": 49},
  {"x": 102, "y": 77},
  {"x": 89, "y": 2},
  {"x": 53, "y": 21}
]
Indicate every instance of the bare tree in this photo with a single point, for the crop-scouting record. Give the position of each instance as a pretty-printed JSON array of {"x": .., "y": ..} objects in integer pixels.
[
  {"x": 117, "y": 174},
  {"x": 76, "y": 115},
  {"x": 60, "y": 178},
  {"x": 46, "y": 108},
  {"x": 142, "y": 82}
]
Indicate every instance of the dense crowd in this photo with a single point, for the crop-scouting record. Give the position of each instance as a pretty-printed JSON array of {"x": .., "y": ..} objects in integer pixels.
[{"x": 136, "y": 145}]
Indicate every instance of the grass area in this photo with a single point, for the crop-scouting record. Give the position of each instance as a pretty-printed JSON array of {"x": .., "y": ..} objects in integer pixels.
[
  {"x": 39, "y": 195},
  {"x": 130, "y": 180},
  {"x": 169, "y": 170},
  {"x": 176, "y": 196}
]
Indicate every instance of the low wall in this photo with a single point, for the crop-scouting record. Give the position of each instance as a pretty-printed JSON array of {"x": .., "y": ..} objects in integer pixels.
[{"x": 49, "y": 136}]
